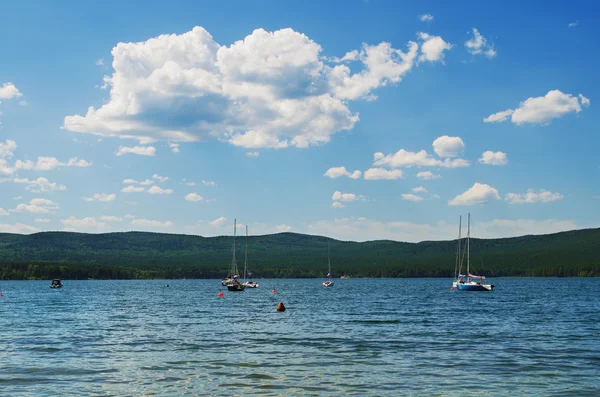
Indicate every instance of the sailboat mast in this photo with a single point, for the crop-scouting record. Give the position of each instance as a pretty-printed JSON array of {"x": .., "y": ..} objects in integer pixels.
[
  {"x": 457, "y": 268},
  {"x": 246, "y": 255},
  {"x": 469, "y": 247},
  {"x": 233, "y": 264},
  {"x": 328, "y": 261}
]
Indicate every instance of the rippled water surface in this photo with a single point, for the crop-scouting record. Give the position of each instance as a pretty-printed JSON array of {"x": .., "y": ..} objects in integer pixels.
[{"x": 530, "y": 337}]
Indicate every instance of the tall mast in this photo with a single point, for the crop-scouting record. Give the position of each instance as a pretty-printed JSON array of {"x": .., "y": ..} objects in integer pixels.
[
  {"x": 246, "y": 255},
  {"x": 469, "y": 247},
  {"x": 233, "y": 264},
  {"x": 457, "y": 268},
  {"x": 328, "y": 261}
]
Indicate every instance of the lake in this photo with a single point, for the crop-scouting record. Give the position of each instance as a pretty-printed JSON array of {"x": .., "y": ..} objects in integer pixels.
[{"x": 363, "y": 337}]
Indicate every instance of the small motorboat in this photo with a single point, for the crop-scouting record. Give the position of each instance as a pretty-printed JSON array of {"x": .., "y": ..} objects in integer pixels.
[
  {"x": 56, "y": 283},
  {"x": 251, "y": 284}
]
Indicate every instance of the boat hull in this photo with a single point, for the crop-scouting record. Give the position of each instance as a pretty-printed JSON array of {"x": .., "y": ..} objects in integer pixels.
[
  {"x": 475, "y": 287},
  {"x": 236, "y": 288},
  {"x": 328, "y": 284}
]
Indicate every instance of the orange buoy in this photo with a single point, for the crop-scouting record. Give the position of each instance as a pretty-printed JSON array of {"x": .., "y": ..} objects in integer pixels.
[
  {"x": 220, "y": 294},
  {"x": 280, "y": 307}
]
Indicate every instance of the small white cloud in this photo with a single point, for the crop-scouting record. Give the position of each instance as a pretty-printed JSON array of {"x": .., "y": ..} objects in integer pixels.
[
  {"x": 573, "y": 24},
  {"x": 101, "y": 197},
  {"x": 84, "y": 224},
  {"x": 18, "y": 228},
  {"x": 478, "y": 194},
  {"x": 404, "y": 158},
  {"x": 426, "y": 18},
  {"x": 541, "y": 110},
  {"x": 219, "y": 222},
  {"x": 50, "y": 163},
  {"x": 478, "y": 45},
  {"x": 531, "y": 197},
  {"x": 40, "y": 185},
  {"x": 23, "y": 103},
  {"x": 493, "y": 158},
  {"x": 158, "y": 178},
  {"x": 432, "y": 48},
  {"x": 110, "y": 218},
  {"x": 158, "y": 190},
  {"x": 129, "y": 216},
  {"x": 7, "y": 148},
  {"x": 337, "y": 172},
  {"x": 206, "y": 183},
  {"x": 37, "y": 206},
  {"x": 194, "y": 197},
  {"x": 252, "y": 154},
  {"x": 419, "y": 189},
  {"x": 373, "y": 174},
  {"x": 283, "y": 228},
  {"x": 411, "y": 197},
  {"x": 81, "y": 163},
  {"x": 3, "y": 212},
  {"x": 100, "y": 62},
  {"x": 18, "y": 198},
  {"x": 427, "y": 175},
  {"x": 9, "y": 91},
  {"x": 339, "y": 196},
  {"x": 448, "y": 146},
  {"x": 174, "y": 147},
  {"x": 151, "y": 223},
  {"x": 132, "y": 189},
  {"x": 337, "y": 204},
  {"x": 139, "y": 150}
]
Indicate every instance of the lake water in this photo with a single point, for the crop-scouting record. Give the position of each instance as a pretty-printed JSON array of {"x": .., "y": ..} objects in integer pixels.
[{"x": 364, "y": 337}]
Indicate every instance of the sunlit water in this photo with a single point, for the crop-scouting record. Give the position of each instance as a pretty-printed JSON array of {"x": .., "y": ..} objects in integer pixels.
[{"x": 530, "y": 337}]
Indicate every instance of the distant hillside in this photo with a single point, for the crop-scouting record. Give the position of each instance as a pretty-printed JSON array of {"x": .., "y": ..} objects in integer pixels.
[{"x": 150, "y": 255}]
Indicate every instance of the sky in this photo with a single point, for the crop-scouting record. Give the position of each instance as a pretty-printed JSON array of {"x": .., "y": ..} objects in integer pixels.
[{"x": 359, "y": 120}]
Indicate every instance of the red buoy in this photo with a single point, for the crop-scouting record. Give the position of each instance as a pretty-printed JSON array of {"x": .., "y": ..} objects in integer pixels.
[
  {"x": 273, "y": 291},
  {"x": 220, "y": 294}
]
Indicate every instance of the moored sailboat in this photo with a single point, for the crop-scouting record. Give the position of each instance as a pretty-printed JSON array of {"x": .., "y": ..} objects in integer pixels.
[
  {"x": 248, "y": 284},
  {"x": 235, "y": 285},
  {"x": 328, "y": 283},
  {"x": 468, "y": 282}
]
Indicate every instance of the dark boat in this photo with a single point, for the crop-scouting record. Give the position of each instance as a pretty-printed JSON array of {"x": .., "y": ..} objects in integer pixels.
[
  {"x": 56, "y": 283},
  {"x": 234, "y": 285}
]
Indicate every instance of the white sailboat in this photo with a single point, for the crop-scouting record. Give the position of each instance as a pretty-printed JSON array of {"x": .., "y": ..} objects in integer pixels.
[
  {"x": 235, "y": 285},
  {"x": 468, "y": 282},
  {"x": 248, "y": 284},
  {"x": 328, "y": 283}
]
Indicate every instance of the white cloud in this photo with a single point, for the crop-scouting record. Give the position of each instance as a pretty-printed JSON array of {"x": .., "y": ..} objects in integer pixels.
[
  {"x": 174, "y": 147},
  {"x": 7, "y": 148},
  {"x": 433, "y": 47},
  {"x": 381, "y": 173},
  {"x": 271, "y": 89},
  {"x": 427, "y": 175},
  {"x": 100, "y": 62},
  {"x": 531, "y": 197},
  {"x": 151, "y": 223},
  {"x": 573, "y": 24},
  {"x": 253, "y": 154},
  {"x": 493, "y": 158},
  {"x": 219, "y": 222},
  {"x": 411, "y": 197},
  {"x": 426, "y": 17},
  {"x": 3, "y": 212},
  {"x": 43, "y": 220},
  {"x": 86, "y": 224},
  {"x": 283, "y": 228},
  {"x": 101, "y": 197},
  {"x": 37, "y": 206},
  {"x": 9, "y": 91},
  {"x": 339, "y": 196},
  {"x": 419, "y": 189},
  {"x": 448, "y": 146},
  {"x": 478, "y": 194},
  {"x": 110, "y": 218},
  {"x": 337, "y": 204},
  {"x": 403, "y": 158},
  {"x": 207, "y": 183},
  {"x": 336, "y": 172},
  {"x": 541, "y": 110},
  {"x": 348, "y": 57},
  {"x": 160, "y": 178},
  {"x": 44, "y": 163},
  {"x": 18, "y": 198},
  {"x": 40, "y": 185},
  {"x": 194, "y": 197},
  {"x": 478, "y": 45},
  {"x": 132, "y": 189},
  {"x": 139, "y": 150},
  {"x": 158, "y": 190},
  {"x": 18, "y": 228},
  {"x": 129, "y": 216}
]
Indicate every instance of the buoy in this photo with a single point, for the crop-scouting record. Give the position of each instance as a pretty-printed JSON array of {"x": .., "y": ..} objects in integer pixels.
[
  {"x": 1, "y": 294},
  {"x": 280, "y": 307},
  {"x": 220, "y": 294},
  {"x": 273, "y": 291}
]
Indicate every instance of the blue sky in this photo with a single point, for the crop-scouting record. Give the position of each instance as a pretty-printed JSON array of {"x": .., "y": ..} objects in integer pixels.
[{"x": 250, "y": 109}]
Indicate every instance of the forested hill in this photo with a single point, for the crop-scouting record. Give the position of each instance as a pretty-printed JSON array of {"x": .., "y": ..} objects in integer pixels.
[{"x": 150, "y": 255}]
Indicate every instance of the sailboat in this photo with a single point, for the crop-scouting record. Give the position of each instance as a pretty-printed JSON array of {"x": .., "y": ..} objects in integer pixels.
[
  {"x": 249, "y": 284},
  {"x": 234, "y": 285},
  {"x": 328, "y": 283},
  {"x": 468, "y": 282}
]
